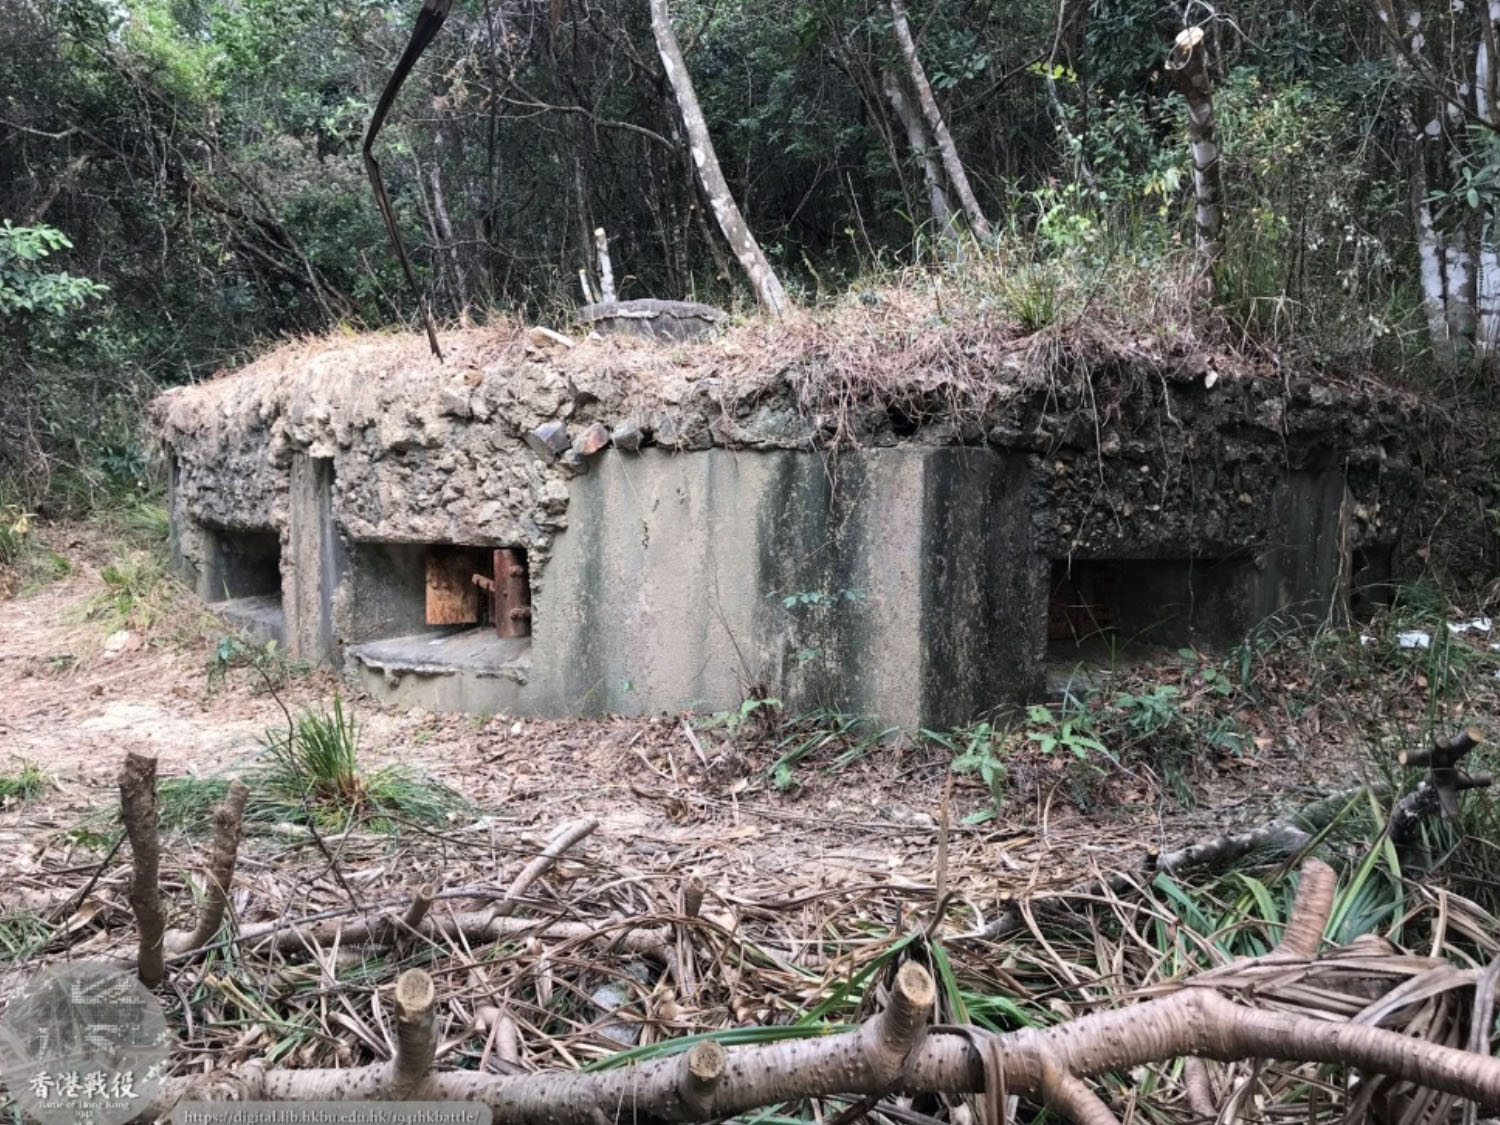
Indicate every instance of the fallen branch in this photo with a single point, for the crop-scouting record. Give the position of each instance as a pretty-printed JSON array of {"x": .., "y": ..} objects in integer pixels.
[
  {"x": 426, "y": 895},
  {"x": 896, "y": 1052},
  {"x": 416, "y": 1032},
  {"x": 473, "y": 926},
  {"x": 563, "y": 839},
  {"x": 229, "y": 820},
  {"x": 1279, "y": 839},
  {"x": 1439, "y": 789},
  {"x": 889, "y": 1055},
  {"x": 138, "y": 810}
]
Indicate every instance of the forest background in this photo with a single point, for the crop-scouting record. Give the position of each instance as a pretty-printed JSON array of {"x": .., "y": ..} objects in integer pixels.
[{"x": 181, "y": 181}]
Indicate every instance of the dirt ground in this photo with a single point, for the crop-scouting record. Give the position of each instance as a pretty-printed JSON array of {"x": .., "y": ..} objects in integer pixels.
[{"x": 671, "y": 794}]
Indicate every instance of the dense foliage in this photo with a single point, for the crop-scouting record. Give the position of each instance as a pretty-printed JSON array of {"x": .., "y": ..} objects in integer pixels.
[{"x": 191, "y": 170}]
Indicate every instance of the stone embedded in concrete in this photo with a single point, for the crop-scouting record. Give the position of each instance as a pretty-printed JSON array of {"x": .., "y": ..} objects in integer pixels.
[
  {"x": 549, "y": 439},
  {"x": 665, "y": 431},
  {"x": 591, "y": 439},
  {"x": 626, "y": 436}
]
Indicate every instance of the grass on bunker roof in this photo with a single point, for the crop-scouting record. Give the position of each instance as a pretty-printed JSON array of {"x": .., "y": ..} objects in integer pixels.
[
  {"x": 816, "y": 847},
  {"x": 954, "y": 336}
]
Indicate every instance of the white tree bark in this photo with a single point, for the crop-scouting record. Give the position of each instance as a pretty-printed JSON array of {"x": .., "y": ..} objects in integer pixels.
[
  {"x": 921, "y": 144},
  {"x": 1434, "y": 296},
  {"x": 946, "y": 148},
  {"x": 1188, "y": 62},
  {"x": 1452, "y": 52},
  {"x": 1458, "y": 287},
  {"x": 1487, "y": 334},
  {"x": 763, "y": 279}
]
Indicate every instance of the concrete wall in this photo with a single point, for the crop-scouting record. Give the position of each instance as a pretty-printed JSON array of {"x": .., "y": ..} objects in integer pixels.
[
  {"x": 902, "y": 583},
  {"x": 895, "y": 583}
]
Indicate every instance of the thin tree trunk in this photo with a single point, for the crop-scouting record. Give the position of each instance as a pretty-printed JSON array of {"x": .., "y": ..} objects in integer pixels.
[
  {"x": 921, "y": 145},
  {"x": 1430, "y": 253},
  {"x": 1487, "y": 335},
  {"x": 1434, "y": 302},
  {"x": 763, "y": 279},
  {"x": 1187, "y": 61},
  {"x": 443, "y": 224},
  {"x": 1458, "y": 283},
  {"x": 949, "y": 151}
]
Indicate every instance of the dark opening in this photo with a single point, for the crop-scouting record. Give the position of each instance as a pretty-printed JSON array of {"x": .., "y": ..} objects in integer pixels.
[
  {"x": 1109, "y": 604},
  {"x": 247, "y": 564},
  {"x": 244, "y": 580},
  {"x": 1371, "y": 587},
  {"x": 903, "y": 422}
]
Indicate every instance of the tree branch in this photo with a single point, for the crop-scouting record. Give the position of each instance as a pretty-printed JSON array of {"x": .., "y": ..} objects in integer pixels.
[{"x": 138, "y": 810}]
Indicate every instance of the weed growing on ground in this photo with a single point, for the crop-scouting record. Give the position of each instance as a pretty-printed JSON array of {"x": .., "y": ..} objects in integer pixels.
[
  {"x": 978, "y": 749},
  {"x": 814, "y": 733},
  {"x": 22, "y": 933},
  {"x": 142, "y": 520},
  {"x": 266, "y": 663},
  {"x": 25, "y": 783},
  {"x": 308, "y": 773},
  {"x": 314, "y": 769},
  {"x": 137, "y": 593}
]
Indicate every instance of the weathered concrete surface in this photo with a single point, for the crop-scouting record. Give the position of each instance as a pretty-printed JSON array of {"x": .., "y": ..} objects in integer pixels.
[
  {"x": 646, "y": 316},
  {"x": 316, "y": 560},
  {"x": 259, "y": 616},
  {"x": 881, "y": 583},
  {"x": 880, "y": 544},
  {"x": 469, "y": 670}
]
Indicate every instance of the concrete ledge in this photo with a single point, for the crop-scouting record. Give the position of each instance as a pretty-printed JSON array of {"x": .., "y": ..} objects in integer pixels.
[
  {"x": 472, "y": 670},
  {"x": 259, "y": 616}
]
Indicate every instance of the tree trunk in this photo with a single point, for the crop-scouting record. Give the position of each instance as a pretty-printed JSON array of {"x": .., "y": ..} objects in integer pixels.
[
  {"x": 1187, "y": 61},
  {"x": 1487, "y": 335},
  {"x": 763, "y": 279},
  {"x": 956, "y": 174},
  {"x": 443, "y": 225},
  {"x": 138, "y": 811},
  {"x": 921, "y": 145},
  {"x": 1458, "y": 284}
]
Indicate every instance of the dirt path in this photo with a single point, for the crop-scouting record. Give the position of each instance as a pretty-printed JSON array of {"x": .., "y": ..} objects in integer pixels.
[{"x": 75, "y": 697}]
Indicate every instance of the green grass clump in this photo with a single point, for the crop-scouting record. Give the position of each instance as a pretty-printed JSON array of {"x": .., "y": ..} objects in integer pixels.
[
  {"x": 314, "y": 774},
  {"x": 25, "y": 783},
  {"x": 137, "y": 593},
  {"x": 22, "y": 933},
  {"x": 309, "y": 774}
]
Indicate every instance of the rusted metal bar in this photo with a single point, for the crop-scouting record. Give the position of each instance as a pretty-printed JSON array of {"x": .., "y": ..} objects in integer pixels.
[{"x": 512, "y": 593}]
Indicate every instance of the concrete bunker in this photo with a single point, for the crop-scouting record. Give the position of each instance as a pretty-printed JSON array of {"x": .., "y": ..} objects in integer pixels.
[{"x": 693, "y": 527}]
